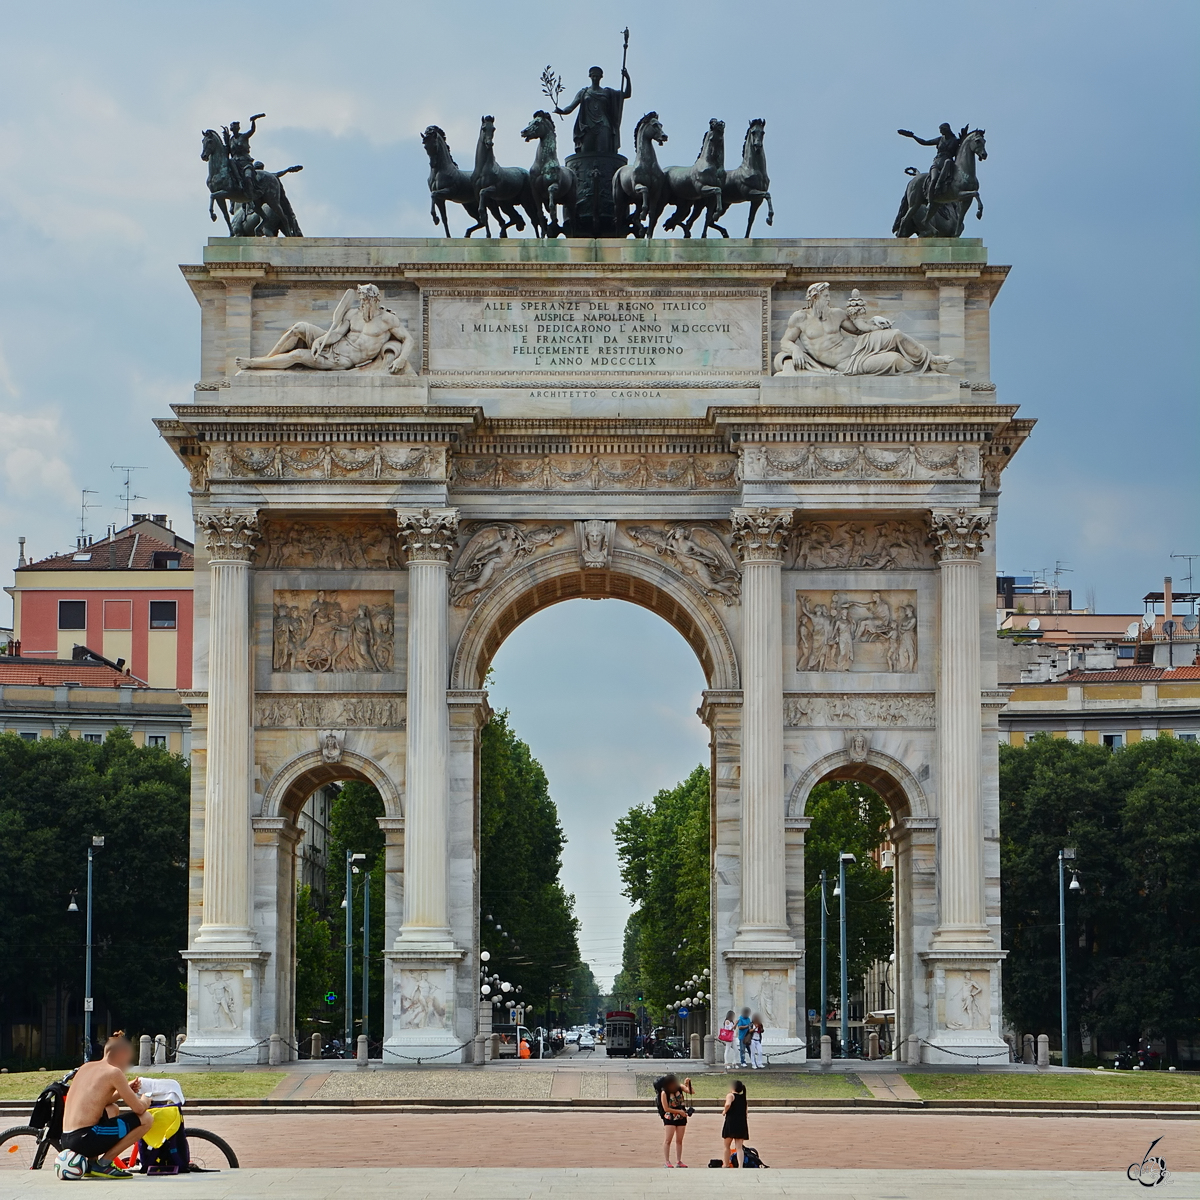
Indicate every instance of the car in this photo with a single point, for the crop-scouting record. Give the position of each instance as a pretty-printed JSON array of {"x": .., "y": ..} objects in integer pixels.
[
  {"x": 572, "y": 1037},
  {"x": 587, "y": 1041}
]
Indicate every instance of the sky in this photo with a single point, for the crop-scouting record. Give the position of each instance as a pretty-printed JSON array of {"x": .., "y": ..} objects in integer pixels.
[{"x": 1090, "y": 194}]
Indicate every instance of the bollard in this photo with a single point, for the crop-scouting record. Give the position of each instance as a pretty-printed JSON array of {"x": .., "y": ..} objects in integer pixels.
[
  {"x": 479, "y": 1056},
  {"x": 826, "y": 1051},
  {"x": 315, "y": 1052},
  {"x": 873, "y": 1045},
  {"x": 914, "y": 1050},
  {"x": 1030, "y": 1054},
  {"x": 1043, "y": 1050},
  {"x": 144, "y": 1050},
  {"x": 275, "y": 1053},
  {"x": 362, "y": 1050},
  {"x": 494, "y": 1051},
  {"x": 160, "y": 1050},
  {"x": 695, "y": 1045},
  {"x": 710, "y": 1049}
]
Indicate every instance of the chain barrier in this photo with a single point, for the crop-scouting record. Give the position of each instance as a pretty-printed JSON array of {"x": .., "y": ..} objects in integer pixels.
[
  {"x": 429, "y": 1057},
  {"x": 208, "y": 1057},
  {"x": 1006, "y": 1052}
]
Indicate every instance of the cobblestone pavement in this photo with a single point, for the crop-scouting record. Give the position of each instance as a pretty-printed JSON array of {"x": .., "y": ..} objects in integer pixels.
[
  {"x": 451, "y": 1184},
  {"x": 624, "y": 1138}
]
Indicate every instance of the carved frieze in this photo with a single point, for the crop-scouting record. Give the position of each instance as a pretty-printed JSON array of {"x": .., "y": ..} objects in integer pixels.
[
  {"x": 368, "y": 711},
  {"x": 596, "y": 472},
  {"x": 851, "y": 545},
  {"x": 320, "y": 631},
  {"x": 697, "y": 551},
  {"x": 895, "y": 709},
  {"x": 856, "y": 631},
  {"x": 336, "y": 546},
  {"x": 285, "y": 460},
  {"x": 492, "y": 550},
  {"x": 860, "y": 462}
]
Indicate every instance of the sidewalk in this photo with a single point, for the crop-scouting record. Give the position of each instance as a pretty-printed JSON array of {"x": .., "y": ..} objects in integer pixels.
[{"x": 613, "y": 1184}]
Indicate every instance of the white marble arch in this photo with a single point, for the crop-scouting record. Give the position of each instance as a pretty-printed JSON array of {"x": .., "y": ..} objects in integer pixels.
[
  {"x": 888, "y": 776},
  {"x": 913, "y": 834},
  {"x": 554, "y": 578},
  {"x": 298, "y": 778}
]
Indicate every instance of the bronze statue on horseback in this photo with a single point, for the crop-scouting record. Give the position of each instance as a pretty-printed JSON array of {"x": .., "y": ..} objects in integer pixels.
[
  {"x": 937, "y": 201},
  {"x": 261, "y": 206}
]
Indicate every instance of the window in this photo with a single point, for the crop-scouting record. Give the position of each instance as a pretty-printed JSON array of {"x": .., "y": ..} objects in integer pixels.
[
  {"x": 118, "y": 614},
  {"x": 162, "y": 614},
  {"x": 1114, "y": 741},
  {"x": 95, "y": 738},
  {"x": 167, "y": 560},
  {"x": 157, "y": 739},
  {"x": 72, "y": 614},
  {"x": 1186, "y": 737},
  {"x": 1124, "y": 651},
  {"x": 29, "y": 737}
]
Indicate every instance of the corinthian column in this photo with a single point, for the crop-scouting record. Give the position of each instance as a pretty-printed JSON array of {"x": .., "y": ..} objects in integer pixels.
[
  {"x": 429, "y": 539},
  {"x": 230, "y": 535},
  {"x": 959, "y": 538},
  {"x": 759, "y": 537}
]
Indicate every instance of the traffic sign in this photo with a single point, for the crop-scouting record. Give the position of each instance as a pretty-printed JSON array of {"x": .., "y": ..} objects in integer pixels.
[{"x": 683, "y": 1012}]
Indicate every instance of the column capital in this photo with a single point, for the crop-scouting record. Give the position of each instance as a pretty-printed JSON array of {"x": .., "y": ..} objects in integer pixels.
[
  {"x": 230, "y": 533},
  {"x": 958, "y": 533},
  {"x": 429, "y": 535},
  {"x": 761, "y": 534}
]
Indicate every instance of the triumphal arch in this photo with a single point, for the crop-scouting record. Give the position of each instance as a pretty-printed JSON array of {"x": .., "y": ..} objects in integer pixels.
[{"x": 400, "y": 449}]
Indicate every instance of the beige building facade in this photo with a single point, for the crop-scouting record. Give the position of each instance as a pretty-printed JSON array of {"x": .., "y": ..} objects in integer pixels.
[{"x": 649, "y": 421}]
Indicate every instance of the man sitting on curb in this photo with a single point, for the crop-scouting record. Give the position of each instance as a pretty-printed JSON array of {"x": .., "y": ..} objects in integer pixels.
[{"x": 91, "y": 1125}]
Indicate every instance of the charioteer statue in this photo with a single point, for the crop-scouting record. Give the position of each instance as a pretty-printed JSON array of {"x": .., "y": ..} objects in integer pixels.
[{"x": 598, "y": 126}]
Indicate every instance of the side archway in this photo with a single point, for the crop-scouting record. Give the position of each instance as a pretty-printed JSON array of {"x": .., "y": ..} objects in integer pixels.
[
  {"x": 890, "y": 778},
  {"x": 557, "y": 577},
  {"x": 293, "y": 783}
]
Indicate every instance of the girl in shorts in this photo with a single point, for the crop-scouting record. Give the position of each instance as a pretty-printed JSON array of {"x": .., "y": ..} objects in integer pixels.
[{"x": 670, "y": 1095}]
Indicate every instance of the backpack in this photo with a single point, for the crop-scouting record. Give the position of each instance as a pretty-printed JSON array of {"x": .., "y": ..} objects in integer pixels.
[
  {"x": 173, "y": 1157},
  {"x": 48, "y": 1109},
  {"x": 750, "y": 1157}
]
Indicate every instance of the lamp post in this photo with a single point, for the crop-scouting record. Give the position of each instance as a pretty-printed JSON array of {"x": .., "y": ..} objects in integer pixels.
[
  {"x": 348, "y": 905},
  {"x": 1063, "y": 855},
  {"x": 824, "y": 961},
  {"x": 366, "y": 967},
  {"x": 88, "y": 1005},
  {"x": 843, "y": 859}
]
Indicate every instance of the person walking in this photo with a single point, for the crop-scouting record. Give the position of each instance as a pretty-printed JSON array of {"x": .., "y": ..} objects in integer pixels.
[
  {"x": 669, "y": 1093},
  {"x": 728, "y": 1037},
  {"x": 743, "y": 1036},
  {"x": 735, "y": 1131},
  {"x": 756, "y": 1037}
]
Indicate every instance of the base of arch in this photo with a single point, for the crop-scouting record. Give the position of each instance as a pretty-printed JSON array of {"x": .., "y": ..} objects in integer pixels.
[
  {"x": 424, "y": 1012},
  {"x": 224, "y": 1003},
  {"x": 964, "y": 1008}
]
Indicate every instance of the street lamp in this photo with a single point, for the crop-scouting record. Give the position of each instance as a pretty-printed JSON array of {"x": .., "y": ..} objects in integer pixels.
[
  {"x": 843, "y": 859},
  {"x": 824, "y": 961},
  {"x": 366, "y": 966},
  {"x": 97, "y": 843},
  {"x": 1063, "y": 856},
  {"x": 348, "y": 904}
]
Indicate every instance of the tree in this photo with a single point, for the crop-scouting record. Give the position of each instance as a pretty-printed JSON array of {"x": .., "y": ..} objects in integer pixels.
[
  {"x": 665, "y": 865},
  {"x": 314, "y": 962},
  {"x": 55, "y": 795},
  {"x": 527, "y": 920},
  {"x": 1133, "y": 933},
  {"x": 848, "y": 817}
]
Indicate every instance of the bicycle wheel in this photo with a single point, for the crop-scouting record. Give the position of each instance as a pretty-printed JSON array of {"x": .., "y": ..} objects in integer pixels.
[
  {"x": 20, "y": 1149},
  {"x": 209, "y": 1152}
]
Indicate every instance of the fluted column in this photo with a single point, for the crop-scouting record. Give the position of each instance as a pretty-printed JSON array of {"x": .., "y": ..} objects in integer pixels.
[
  {"x": 959, "y": 538},
  {"x": 429, "y": 539},
  {"x": 759, "y": 536},
  {"x": 230, "y": 535}
]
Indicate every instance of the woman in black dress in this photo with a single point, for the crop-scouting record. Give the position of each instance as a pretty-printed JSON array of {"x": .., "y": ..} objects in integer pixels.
[{"x": 735, "y": 1130}]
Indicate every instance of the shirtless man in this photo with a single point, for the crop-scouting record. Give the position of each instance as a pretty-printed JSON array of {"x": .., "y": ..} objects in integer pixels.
[
  {"x": 91, "y": 1125},
  {"x": 355, "y": 337},
  {"x": 819, "y": 336}
]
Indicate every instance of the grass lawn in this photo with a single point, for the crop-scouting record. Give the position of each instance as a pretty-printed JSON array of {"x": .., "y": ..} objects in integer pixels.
[
  {"x": 1099, "y": 1085},
  {"x": 197, "y": 1085},
  {"x": 767, "y": 1086}
]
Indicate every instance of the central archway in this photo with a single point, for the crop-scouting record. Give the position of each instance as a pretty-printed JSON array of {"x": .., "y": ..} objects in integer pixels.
[{"x": 556, "y": 577}]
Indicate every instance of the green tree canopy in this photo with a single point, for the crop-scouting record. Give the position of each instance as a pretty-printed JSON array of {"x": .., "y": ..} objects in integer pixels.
[
  {"x": 1133, "y": 933},
  {"x": 527, "y": 919},
  {"x": 55, "y": 795},
  {"x": 846, "y": 817},
  {"x": 665, "y": 866}
]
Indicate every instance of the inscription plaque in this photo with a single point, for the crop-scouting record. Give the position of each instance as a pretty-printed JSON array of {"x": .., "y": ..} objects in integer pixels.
[{"x": 625, "y": 331}]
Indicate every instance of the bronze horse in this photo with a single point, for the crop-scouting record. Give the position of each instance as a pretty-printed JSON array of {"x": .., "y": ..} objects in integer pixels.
[
  {"x": 944, "y": 214},
  {"x": 642, "y": 182},
  {"x": 269, "y": 203},
  {"x": 447, "y": 181}
]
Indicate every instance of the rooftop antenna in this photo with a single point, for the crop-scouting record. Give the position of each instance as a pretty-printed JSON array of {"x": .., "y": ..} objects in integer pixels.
[
  {"x": 127, "y": 496},
  {"x": 1060, "y": 568},
  {"x": 1191, "y": 558},
  {"x": 84, "y": 505}
]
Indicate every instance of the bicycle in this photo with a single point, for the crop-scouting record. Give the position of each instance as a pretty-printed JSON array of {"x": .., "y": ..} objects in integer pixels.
[{"x": 26, "y": 1147}]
